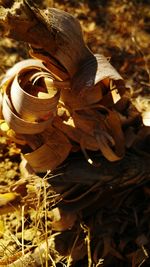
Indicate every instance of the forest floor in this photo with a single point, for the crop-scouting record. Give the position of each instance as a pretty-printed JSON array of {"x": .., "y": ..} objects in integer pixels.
[{"x": 121, "y": 31}]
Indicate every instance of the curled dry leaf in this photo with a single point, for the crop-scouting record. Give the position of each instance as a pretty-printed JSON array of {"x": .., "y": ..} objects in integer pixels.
[
  {"x": 95, "y": 129},
  {"x": 18, "y": 124},
  {"x": 70, "y": 96},
  {"x": 29, "y": 103},
  {"x": 37, "y": 107},
  {"x": 103, "y": 84},
  {"x": 52, "y": 153},
  {"x": 98, "y": 69},
  {"x": 23, "y": 109}
]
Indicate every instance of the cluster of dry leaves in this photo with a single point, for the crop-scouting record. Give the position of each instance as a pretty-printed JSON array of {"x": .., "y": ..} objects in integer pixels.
[{"x": 53, "y": 118}]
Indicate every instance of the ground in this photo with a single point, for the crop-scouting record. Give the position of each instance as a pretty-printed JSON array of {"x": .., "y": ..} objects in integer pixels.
[{"x": 119, "y": 30}]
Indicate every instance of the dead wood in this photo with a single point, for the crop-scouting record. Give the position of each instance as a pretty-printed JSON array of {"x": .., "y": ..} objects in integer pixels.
[{"x": 55, "y": 32}]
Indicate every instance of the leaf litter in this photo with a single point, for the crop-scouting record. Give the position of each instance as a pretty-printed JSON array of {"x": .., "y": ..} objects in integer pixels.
[{"x": 106, "y": 224}]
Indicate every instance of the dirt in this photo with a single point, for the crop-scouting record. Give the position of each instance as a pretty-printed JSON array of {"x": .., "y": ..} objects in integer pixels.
[{"x": 121, "y": 31}]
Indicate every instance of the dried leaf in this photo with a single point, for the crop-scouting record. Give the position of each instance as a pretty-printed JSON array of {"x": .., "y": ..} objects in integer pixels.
[
  {"x": 23, "y": 92},
  {"x": 73, "y": 101},
  {"x": 52, "y": 153},
  {"x": 98, "y": 69},
  {"x": 87, "y": 127},
  {"x": 19, "y": 66}
]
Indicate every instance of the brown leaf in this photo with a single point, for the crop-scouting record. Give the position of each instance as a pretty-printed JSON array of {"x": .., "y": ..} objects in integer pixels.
[{"x": 52, "y": 153}]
